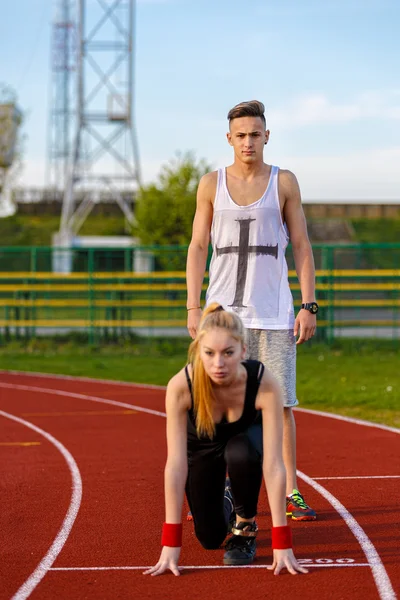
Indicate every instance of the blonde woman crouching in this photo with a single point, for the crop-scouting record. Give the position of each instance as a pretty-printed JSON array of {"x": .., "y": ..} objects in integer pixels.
[{"x": 224, "y": 414}]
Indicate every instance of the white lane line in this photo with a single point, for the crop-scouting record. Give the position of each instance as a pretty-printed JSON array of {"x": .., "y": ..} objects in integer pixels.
[
  {"x": 27, "y": 388},
  {"x": 162, "y": 387},
  {"x": 77, "y": 378},
  {"x": 350, "y": 420},
  {"x": 382, "y": 580},
  {"x": 203, "y": 567},
  {"x": 360, "y": 477},
  {"x": 76, "y": 496}
]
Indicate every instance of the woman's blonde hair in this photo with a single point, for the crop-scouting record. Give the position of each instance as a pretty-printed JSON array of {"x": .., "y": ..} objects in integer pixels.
[{"x": 214, "y": 316}]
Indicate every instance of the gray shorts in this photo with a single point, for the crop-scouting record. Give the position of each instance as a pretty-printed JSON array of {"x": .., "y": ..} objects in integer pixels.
[{"x": 277, "y": 350}]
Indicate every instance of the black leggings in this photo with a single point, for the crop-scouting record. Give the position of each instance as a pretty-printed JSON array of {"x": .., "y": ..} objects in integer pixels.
[{"x": 242, "y": 457}]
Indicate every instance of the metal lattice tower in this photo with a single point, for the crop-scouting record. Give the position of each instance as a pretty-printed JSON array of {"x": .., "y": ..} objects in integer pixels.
[
  {"x": 105, "y": 159},
  {"x": 62, "y": 116}
]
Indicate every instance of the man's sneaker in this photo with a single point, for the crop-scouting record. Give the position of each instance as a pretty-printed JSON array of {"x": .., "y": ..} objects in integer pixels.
[
  {"x": 298, "y": 509},
  {"x": 240, "y": 549}
]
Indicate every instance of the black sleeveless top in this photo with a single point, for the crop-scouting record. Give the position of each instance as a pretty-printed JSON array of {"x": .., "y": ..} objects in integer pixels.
[{"x": 224, "y": 430}]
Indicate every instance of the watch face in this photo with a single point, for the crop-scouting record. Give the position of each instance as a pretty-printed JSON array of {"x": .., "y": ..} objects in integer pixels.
[{"x": 314, "y": 308}]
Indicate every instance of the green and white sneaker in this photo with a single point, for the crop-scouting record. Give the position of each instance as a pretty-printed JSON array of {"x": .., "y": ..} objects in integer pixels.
[{"x": 298, "y": 509}]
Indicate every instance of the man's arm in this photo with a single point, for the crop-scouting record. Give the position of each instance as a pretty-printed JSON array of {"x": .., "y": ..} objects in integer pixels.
[
  {"x": 295, "y": 220},
  {"x": 198, "y": 248}
]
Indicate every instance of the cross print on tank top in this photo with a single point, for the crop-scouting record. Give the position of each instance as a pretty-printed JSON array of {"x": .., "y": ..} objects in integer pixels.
[{"x": 244, "y": 250}]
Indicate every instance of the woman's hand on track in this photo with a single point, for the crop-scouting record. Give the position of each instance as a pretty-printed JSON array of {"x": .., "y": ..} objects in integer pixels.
[
  {"x": 168, "y": 560},
  {"x": 286, "y": 558}
]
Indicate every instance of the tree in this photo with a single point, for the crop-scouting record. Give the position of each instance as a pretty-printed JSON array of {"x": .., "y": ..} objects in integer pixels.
[{"x": 164, "y": 210}]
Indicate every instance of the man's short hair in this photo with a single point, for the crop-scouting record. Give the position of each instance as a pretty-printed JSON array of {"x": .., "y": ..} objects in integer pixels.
[{"x": 252, "y": 108}]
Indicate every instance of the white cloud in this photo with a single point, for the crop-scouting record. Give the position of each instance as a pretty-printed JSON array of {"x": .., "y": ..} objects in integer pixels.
[
  {"x": 359, "y": 176},
  {"x": 34, "y": 171},
  {"x": 317, "y": 108},
  {"x": 368, "y": 175}
]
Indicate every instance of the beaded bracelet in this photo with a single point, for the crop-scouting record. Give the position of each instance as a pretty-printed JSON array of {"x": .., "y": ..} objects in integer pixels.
[
  {"x": 172, "y": 535},
  {"x": 281, "y": 538}
]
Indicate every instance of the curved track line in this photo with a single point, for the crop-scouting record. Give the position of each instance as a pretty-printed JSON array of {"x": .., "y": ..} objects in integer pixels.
[
  {"x": 382, "y": 581},
  {"x": 81, "y": 378},
  {"x": 27, "y": 388},
  {"x": 320, "y": 413},
  {"x": 34, "y": 579},
  {"x": 163, "y": 387}
]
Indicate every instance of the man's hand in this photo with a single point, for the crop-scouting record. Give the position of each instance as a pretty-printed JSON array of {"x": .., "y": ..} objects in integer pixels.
[
  {"x": 286, "y": 558},
  {"x": 193, "y": 321},
  {"x": 168, "y": 560},
  {"x": 305, "y": 325}
]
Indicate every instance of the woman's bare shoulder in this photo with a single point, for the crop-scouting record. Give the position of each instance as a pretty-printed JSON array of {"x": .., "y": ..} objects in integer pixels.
[{"x": 178, "y": 390}]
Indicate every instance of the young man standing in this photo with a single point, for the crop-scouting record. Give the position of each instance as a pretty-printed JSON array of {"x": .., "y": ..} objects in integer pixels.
[{"x": 250, "y": 210}]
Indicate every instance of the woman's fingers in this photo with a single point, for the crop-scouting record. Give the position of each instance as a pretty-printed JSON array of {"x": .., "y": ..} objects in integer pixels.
[
  {"x": 292, "y": 566},
  {"x": 272, "y": 567},
  {"x": 300, "y": 569},
  {"x": 151, "y": 570},
  {"x": 159, "y": 571},
  {"x": 156, "y": 570},
  {"x": 160, "y": 568},
  {"x": 175, "y": 570}
]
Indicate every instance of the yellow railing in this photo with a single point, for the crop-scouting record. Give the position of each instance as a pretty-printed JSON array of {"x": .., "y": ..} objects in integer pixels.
[{"x": 123, "y": 300}]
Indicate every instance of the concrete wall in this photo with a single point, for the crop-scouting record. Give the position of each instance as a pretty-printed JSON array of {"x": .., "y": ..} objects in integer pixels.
[{"x": 352, "y": 211}]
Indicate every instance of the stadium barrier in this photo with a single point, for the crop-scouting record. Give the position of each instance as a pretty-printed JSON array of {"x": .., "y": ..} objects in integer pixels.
[{"x": 103, "y": 296}]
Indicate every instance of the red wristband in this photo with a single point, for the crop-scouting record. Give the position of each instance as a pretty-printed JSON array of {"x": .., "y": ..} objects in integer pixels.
[
  {"x": 172, "y": 535},
  {"x": 281, "y": 538}
]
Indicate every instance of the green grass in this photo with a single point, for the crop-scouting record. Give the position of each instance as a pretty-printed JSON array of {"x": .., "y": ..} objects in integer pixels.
[
  {"x": 376, "y": 230},
  {"x": 353, "y": 378},
  {"x": 133, "y": 359},
  {"x": 25, "y": 230}
]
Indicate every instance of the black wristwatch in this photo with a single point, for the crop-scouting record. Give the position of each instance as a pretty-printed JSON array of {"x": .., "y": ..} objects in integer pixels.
[{"x": 311, "y": 306}]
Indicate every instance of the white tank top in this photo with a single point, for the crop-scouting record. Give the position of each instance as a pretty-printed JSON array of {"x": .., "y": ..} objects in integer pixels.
[{"x": 248, "y": 269}]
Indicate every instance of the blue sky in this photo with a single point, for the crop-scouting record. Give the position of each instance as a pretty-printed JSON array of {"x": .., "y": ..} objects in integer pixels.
[{"x": 328, "y": 73}]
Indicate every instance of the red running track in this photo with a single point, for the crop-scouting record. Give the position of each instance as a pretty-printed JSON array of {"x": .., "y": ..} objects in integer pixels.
[{"x": 82, "y": 505}]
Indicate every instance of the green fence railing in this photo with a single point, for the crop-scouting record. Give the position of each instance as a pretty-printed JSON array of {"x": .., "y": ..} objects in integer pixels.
[{"x": 108, "y": 293}]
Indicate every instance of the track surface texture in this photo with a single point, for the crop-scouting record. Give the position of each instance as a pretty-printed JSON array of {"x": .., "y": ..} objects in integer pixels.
[{"x": 82, "y": 504}]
